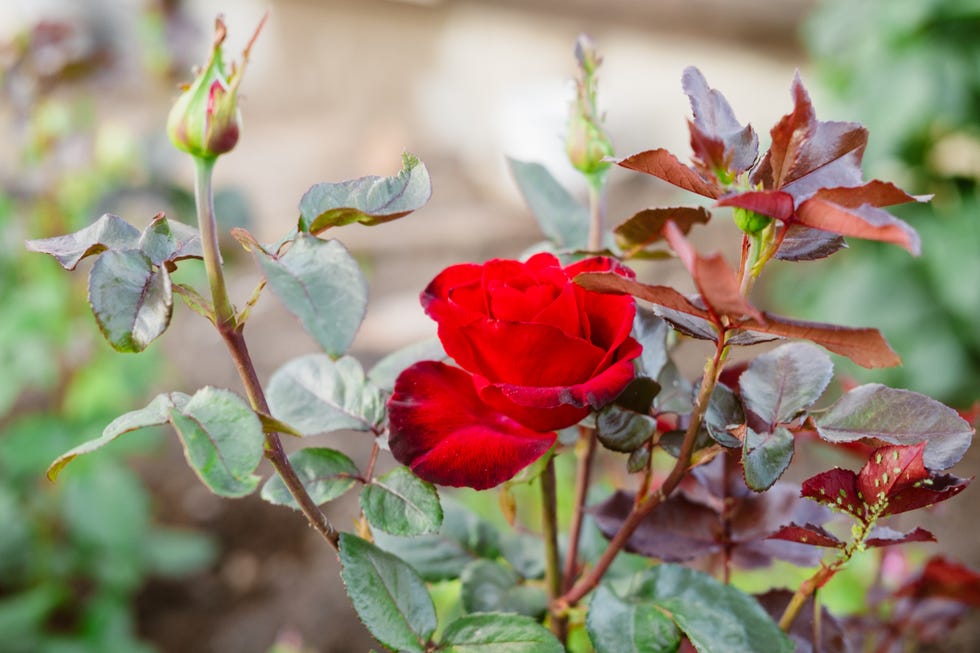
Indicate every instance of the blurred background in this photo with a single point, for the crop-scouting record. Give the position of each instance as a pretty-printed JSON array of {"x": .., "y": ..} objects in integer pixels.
[{"x": 128, "y": 552}]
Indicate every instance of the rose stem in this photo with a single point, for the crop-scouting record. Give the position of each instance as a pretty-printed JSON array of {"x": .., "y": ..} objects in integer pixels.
[
  {"x": 588, "y": 582},
  {"x": 549, "y": 523},
  {"x": 586, "y": 453},
  {"x": 597, "y": 196},
  {"x": 230, "y": 331}
]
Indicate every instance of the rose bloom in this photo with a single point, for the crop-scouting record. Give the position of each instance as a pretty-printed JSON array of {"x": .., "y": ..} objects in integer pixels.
[{"x": 535, "y": 353}]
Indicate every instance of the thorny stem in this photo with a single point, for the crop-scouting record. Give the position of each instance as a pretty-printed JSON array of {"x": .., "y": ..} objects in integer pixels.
[
  {"x": 231, "y": 332},
  {"x": 586, "y": 454},
  {"x": 588, "y": 582},
  {"x": 549, "y": 521}
]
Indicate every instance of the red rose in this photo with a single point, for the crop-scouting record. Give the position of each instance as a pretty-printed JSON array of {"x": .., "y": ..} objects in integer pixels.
[{"x": 539, "y": 353}]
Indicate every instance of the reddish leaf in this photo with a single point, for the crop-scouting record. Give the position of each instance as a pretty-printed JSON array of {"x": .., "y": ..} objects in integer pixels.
[
  {"x": 875, "y": 193},
  {"x": 864, "y": 346},
  {"x": 807, "y": 534},
  {"x": 715, "y": 281},
  {"x": 805, "y": 244},
  {"x": 836, "y": 488},
  {"x": 717, "y": 138},
  {"x": 865, "y": 221},
  {"x": 943, "y": 579},
  {"x": 646, "y": 227},
  {"x": 661, "y": 163},
  {"x": 889, "y": 468},
  {"x": 882, "y": 536},
  {"x": 774, "y": 203},
  {"x": 807, "y": 154}
]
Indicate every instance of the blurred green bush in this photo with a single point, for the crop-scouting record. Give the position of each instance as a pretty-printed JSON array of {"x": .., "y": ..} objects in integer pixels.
[
  {"x": 909, "y": 70},
  {"x": 72, "y": 554}
]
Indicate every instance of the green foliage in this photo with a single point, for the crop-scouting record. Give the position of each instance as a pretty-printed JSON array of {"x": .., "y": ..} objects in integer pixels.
[
  {"x": 401, "y": 503},
  {"x": 325, "y": 473}
]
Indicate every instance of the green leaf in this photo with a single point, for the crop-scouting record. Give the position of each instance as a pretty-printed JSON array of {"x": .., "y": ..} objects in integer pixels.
[
  {"x": 388, "y": 595},
  {"x": 368, "y": 200},
  {"x": 156, "y": 413},
  {"x": 401, "y": 503},
  {"x": 385, "y": 371},
  {"x": 315, "y": 394},
  {"x": 765, "y": 456},
  {"x": 899, "y": 417},
  {"x": 651, "y": 332},
  {"x": 623, "y": 430},
  {"x": 463, "y": 537},
  {"x": 165, "y": 241},
  {"x": 525, "y": 553},
  {"x": 108, "y": 232},
  {"x": 618, "y": 625},
  {"x": 325, "y": 473},
  {"x": 498, "y": 633},
  {"x": 779, "y": 384},
  {"x": 717, "y": 618},
  {"x": 223, "y": 440},
  {"x": 489, "y": 586},
  {"x": 724, "y": 410},
  {"x": 132, "y": 301},
  {"x": 321, "y": 284},
  {"x": 562, "y": 219}
]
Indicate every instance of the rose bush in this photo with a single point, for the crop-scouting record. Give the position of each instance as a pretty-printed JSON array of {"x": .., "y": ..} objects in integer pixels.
[{"x": 537, "y": 353}]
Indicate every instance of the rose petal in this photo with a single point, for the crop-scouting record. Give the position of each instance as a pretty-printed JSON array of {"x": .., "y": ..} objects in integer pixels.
[
  {"x": 442, "y": 430},
  {"x": 557, "y": 407}
]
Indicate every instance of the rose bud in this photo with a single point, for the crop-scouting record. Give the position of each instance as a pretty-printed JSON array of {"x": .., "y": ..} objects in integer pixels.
[
  {"x": 205, "y": 121},
  {"x": 587, "y": 143}
]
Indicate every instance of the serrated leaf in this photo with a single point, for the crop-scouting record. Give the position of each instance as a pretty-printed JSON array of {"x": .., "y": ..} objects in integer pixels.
[
  {"x": 765, "y": 456},
  {"x": 325, "y": 473},
  {"x": 618, "y": 625},
  {"x": 369, "y": 200},
  {"x": 156, "y": 413},
  {"x": 779, "y": 384},
  {"x": 388, "y": 595},
  {"x": 321, "y": 284},
  {"x": 883, "y": 536},
  {"x": 401, "y": 503},
  {"x": 720, "y": 142},
  {"x": 806, "y": 244},
  {"x": 108, "y": 232},
  {"x": 664, "y": 165},
  {"x": 132, "y": 301},
  {"x": 169, "y": 240},
  {"x": 386, "y": 370},
  {"x": 489, "y": 586},
  {"x": 497, "y": 633},
  {"x": 864, "y": 221},
  {"x": 315, "y": 394},
  {"x": 223, "y": 440},
  {"x": 717, "y": 618},
  {"x": 899, "y": 417},
  {"x": 561, "y": 217},
  {"x": 463, "y": 537}
]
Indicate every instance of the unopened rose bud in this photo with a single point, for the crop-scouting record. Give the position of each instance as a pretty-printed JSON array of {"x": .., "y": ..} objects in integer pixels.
[
  {"x": 205, "y": 121},
  {"x": 587, "y": 143},
  {"x": 750, "y": 222}
]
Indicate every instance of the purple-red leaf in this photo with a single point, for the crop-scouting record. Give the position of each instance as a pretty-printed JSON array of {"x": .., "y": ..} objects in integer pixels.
[
  {"x": 774, "y": 203},
  {"x": 807, "y": 154},
  {"x": 664, "y": 165},
  {"x": 715, "y": 281},
  {"x": 805, "y": 244},
  {"x": 646, "y": 227},
  {"x": 884, "y": 536},
  {"x": 719, "y": 141},
  {"x": 943, "y": 579},
  {"x": 807, "y": 534},
  {"x": 865, "y": 221},
  {"x": 836, "y": 488},
  {"x": 864, "y": 346}
]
